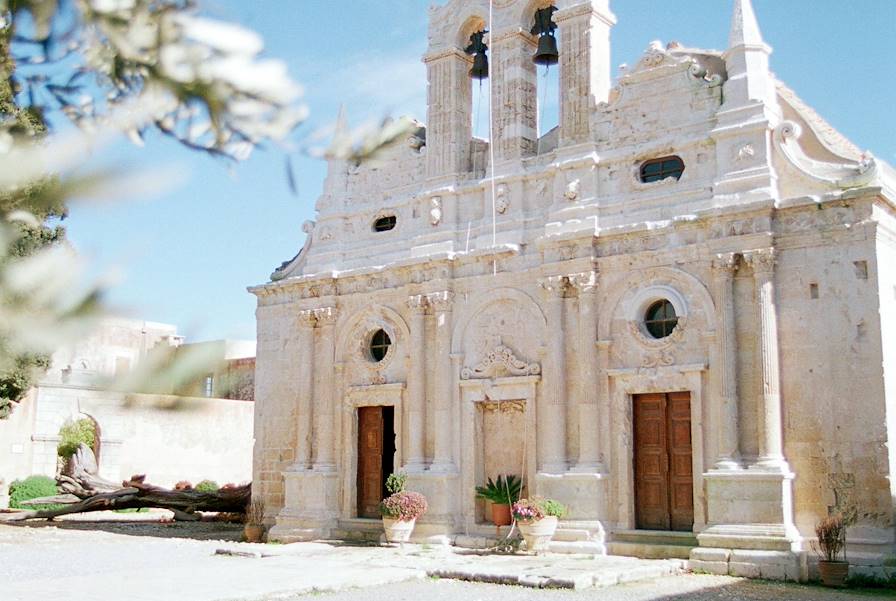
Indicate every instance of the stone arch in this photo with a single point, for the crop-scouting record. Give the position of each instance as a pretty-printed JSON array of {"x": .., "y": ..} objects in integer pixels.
[
  {"x": 485, "y": 301},
  {"x": 686, "y": 288},
  {"x": 526, "y": 16},
  {"x": 475, "y": 20},
  {"x": 374, "y": 314}
]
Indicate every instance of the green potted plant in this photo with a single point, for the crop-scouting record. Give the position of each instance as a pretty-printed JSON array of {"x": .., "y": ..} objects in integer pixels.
[
  {"x": 253, "y": 531},
  {"x": 400, "y": 509},
  {"x": 537, "y": 520},
  {"x": 830, "y": 546},
  {"x": 501, "y": 493}
]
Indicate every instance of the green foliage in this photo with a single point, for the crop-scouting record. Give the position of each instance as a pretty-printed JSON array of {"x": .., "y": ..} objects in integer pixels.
[
  {"x": 395, "y": 482},
  {"x": 32, "y": 487},
  {"x": 554, "y": 508},
  {"x": 503, "y": 491},
  {"x": 74, "y": 433},
  {"x": 868, "y": 581},
  {"x": 207, "y": 486}
]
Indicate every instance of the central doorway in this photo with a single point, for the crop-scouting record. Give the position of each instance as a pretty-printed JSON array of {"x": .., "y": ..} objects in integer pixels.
[
  {"x": 664, "y": 480},
  {"x": 376, "y": 457}
]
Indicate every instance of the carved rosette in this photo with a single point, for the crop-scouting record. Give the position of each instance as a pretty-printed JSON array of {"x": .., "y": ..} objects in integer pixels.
[{"x": 500, "y": 362}]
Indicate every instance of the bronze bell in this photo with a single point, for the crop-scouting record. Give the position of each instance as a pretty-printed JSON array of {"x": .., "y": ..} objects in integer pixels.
[
  {"x": 480, "y": 67},
  {"x": 478, "y": 49},
  {"x": 547, "y": 53}
]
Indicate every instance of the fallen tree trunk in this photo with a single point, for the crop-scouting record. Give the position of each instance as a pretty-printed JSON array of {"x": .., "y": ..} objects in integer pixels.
[{"x": 80, "y": 479}]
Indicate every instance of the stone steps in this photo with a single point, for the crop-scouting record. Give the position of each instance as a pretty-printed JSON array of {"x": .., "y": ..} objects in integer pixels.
[{"x": 652, "y": 544}]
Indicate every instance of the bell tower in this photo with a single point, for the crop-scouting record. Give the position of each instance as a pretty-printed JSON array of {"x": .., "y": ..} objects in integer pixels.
[{"x": 585, "y": 78}]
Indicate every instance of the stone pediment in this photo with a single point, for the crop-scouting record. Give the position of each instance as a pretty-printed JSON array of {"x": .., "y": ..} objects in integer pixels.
[{"x": 498, "y": 363}]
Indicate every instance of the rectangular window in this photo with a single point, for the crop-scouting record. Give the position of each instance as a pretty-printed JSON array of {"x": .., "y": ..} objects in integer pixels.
[{"x": 209, "y": 386}]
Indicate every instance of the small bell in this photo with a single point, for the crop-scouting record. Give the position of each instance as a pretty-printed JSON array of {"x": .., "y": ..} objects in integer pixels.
[
  {"x": 478, "y": 50},
  {"x": 547, "y": 53}
]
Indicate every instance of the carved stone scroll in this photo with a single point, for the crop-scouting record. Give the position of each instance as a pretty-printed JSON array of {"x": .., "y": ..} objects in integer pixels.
[{"x": 500, "y": 362}]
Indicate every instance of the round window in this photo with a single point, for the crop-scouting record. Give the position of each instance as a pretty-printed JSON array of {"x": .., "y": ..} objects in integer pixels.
[
  {"x": 379, "y": 345},
  {"x": 660, "y": 319}
]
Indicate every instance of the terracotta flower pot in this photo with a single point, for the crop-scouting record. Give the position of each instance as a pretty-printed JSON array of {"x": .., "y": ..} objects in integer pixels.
[
  {"x": 538, "y": 533},
  {"x": 254, "y": 533},
  {"x": 398, "y": 531},
  {"x": 833, "y": 573},
  {"x": 501, "y": 514}
]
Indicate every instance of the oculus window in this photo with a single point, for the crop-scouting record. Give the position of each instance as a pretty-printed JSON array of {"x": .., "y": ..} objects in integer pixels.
[
  {"x": 657, "y": 170},
  {"x": 384, "y": 224},
  {"x": 660, "y": 319},
  {"x": 379, "y": 345}
]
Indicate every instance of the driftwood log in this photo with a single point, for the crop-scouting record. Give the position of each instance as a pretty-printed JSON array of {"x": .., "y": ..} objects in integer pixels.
[{"x": 92, "y": 493}]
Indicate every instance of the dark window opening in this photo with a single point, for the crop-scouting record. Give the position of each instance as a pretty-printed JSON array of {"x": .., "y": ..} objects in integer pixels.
[
  {"x": 379, "y": 345},
  {"x": 661, "y": 319},
  {"x": 384, "y": 224},
  {"x": 657, "y": 170}
]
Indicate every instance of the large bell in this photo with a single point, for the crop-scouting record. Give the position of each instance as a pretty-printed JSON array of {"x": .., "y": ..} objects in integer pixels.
[
  {"x": 480, "y": 67},
  {"x": 547, "y": 53}
]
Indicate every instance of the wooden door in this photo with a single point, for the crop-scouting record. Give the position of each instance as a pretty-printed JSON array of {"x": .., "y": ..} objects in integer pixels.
[
  {"x": 664, "y": 488},
  {"x": 370, "y": 461}
]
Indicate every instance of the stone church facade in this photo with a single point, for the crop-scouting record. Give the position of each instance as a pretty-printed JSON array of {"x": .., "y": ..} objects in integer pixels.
[{"x": 673, "y": 312}]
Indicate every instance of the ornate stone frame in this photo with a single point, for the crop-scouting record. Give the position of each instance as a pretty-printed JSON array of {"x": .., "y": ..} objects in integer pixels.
[
  {"x": 385, "y": 395},
  {"x": 639, "y": 305},
  {"x": 479, "y": 395},
  {"x": 624, "y": 384}
]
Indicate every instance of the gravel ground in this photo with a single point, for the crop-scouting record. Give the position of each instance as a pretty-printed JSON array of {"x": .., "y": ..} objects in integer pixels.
[{"x": 675, "y": 588}]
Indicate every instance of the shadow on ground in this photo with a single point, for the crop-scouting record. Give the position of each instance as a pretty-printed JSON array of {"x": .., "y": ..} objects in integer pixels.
[{"x": 189, "y": 530}]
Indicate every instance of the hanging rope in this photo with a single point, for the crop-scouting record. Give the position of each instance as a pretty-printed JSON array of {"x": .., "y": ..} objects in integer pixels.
[
  {"x": 543, "y": 103},
  {"x": 491, "y": 139}
]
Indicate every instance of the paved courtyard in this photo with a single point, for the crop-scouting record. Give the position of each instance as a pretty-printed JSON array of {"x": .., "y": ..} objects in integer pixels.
[{"x": 99, "y": 561}]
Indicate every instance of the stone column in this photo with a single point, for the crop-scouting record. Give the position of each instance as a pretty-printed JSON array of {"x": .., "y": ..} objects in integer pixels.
[
  {"x": 724, "y": 268},
  {"x": 771, "y": 442},
  {"x": 441, "y": 302},
  {"x": 585, "y": 77},
  {"x": 415, "y": 459},
  {"x": 324, "y": 414},
  {"x": 551, "y": 414},
  {"x": 589, "y": 412},
  {"x": 604, "y": 414},
  {"x": 449, "y": 131},
  {"x": 304, "y": 405},
  {"x": 514, "y": 95}
]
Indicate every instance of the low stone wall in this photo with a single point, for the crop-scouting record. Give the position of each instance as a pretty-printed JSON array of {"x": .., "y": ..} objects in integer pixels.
[{"x": 168, "y": 438}]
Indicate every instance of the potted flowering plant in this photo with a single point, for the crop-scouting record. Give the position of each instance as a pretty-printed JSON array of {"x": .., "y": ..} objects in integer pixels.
[
  {"x": 400, "y": 509},
  {"x": 831, "y": 544},
  {"x": 537, "y": 519}
]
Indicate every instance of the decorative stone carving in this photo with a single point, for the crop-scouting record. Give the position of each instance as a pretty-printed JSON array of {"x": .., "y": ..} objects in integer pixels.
[
  {"x": 435, "y": 210},
  {"x": 657, "y": 359},
  {"x": 326, "y": 315},
  {"x": 502, "y": 202},
  {"x": 417, "y": 303},
  {"x": 636, "y": 327},
  {"x": 502, "y": 406},
  {"x": 499, "y": 363},
  {"x": 585, "y": 282},
  {"x": 572, "y": 190},
  {"x": 762, "y": 261},
  {"x": 440, "y": 301}
]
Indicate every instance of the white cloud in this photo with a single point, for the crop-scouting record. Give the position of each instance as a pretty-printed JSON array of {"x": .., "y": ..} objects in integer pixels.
[{"x": 371, "y": 86}]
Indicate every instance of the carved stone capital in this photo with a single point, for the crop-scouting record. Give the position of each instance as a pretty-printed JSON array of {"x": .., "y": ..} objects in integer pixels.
[
  {"x": 726, "y": 264},
  {"x": 418, "y": 303},
  {"x": 762, "y": 261},
  {"x": 441, "y": 301},
  {"x": 307, "y": 318},
  {"x": 326, "y": 316},
  {"x": 555, "y": 285},
  {"x": 585, "y": 282}
]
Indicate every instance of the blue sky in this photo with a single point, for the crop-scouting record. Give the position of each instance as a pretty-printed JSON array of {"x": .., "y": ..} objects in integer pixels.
[{"x": 187, "y": 255}]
